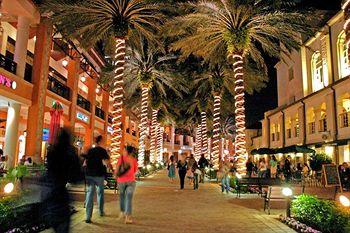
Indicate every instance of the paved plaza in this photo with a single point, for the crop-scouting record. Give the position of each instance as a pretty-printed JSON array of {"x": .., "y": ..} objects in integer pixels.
[{"x": 161, "y": 207}]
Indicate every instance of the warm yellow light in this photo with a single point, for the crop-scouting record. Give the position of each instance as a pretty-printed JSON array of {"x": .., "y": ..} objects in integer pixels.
[
  {"x": 97, "y": 90},
  {"x": 329, "y": 150},
  {"x": 64, "y": 62},
  {"x": 287, "y": 192},
  {"x": 344, "y": 201},
  {"x": 9, "y": 187},
  {"x": 83, "y": 78}
]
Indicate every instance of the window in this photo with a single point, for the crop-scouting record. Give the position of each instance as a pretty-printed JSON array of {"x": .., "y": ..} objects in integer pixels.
[
  {"x": 296, "y": 130},
  {"x": 277, "y": 136},
  {"x": 344, "y": 119},
  {"x": 343, "y": 56},
  {"x": 318, "y": 79},
  {"x": 273, "y": 137},
  {"x": 289, "y": 133},
  {"x": 323, "y": 125},
  {"x": 290, "y": 73},
  {"x": 311, "y": 126}
]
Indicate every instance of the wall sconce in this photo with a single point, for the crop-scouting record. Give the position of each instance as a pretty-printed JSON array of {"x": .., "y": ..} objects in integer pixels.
[{"x": 64, "y": 62}]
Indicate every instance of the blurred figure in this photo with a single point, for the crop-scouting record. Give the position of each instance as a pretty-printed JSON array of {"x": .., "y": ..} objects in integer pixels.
[
  {"x": 202, "y": 163},
  {"x": 250, "y": 167},
  {"x": 182, "y": 168},
  {"x": 62, "y": 167},
  {"x": 262, "y": 168},
  {"x": 287, "y": 169},
  {"x": 306, "y": 170},
  {"x": 224, "y": 170},
  {"x": 171, "y": 169},
  {"x": 96, "y": 161},
  {"x": 126, "y": 183},
  {"x": 273, "y": 166},
  {"x": 196, "y": 172},
  {"x": 28, "y": 162}
]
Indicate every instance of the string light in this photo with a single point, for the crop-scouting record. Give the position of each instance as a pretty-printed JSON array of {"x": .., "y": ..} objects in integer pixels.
[
  {"x": 216, "y": 132},
  {"x": 198, "y": 142},
  {"x": 240, "y": 142},
  {"x": 204, "y": 134},
  {"x": 160, "y": 143},
  {"x": 143, "y": 126},
  {"x": 346, "y": 8},
  {"x": 153, "y": 149},
  {"x": 117, "y": 95}
]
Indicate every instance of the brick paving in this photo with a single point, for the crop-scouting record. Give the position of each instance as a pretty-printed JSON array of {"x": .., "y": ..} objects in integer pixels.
[{"x": 160, "y": 207}]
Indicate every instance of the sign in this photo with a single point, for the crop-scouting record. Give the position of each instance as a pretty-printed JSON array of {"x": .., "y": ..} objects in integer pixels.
[
  {"x": 7, "y": 82},
  {"x": 46, "y": 133},
  {"x": 331, "y": 175},
  {"x": 82, "y": 117}
]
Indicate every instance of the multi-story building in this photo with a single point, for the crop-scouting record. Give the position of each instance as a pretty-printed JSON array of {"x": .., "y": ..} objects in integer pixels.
[
  {"x": 40, "y": 68},
  {"x": 313, "y": 96},
  {"x": 176, "y": 143}
]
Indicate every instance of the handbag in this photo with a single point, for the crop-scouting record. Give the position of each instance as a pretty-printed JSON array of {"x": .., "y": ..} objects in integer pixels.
[{"x": 123, "y": 168}]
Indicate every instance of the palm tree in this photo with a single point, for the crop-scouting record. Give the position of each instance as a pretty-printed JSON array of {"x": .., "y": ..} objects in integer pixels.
[
  {"x": 147, "y": 69},
  {"x": 91, "y": 21},
  {"x": 346, "y": 8},
  {"x": 239, "y": 29}
]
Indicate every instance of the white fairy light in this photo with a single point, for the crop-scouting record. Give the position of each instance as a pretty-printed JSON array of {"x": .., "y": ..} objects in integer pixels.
[
  {"x": 153, "y": 149},
  {"x": 143, "y": 126},
  {"x": 204, "y": 133},
  {"x": 216, "y": 131},
  {"x": 160, "y": 143},
  {"x": 198, "y": 142}
]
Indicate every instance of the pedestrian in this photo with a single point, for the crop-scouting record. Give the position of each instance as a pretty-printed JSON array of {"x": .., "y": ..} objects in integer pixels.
[
  {"x": 250, "y": 167},
  {"x": 287, "y": 169},
  {"x": 182, "y": 168},
  {"x": 29, "y": 162},
  {"x": 96, "y": 161},
  {"x": 126, "y": 170},
  {"x": 262, "y": 168},
  {"x": 306, "y": 170},
  {"x": 273, "y": 166},
  {"x": 171, "y": 169},
  {"x": 203, "y": 164},
  {"x": 63, "y": 166},
  {"x": 196, "y": 173},
  {"x": 224, "y": 171}
]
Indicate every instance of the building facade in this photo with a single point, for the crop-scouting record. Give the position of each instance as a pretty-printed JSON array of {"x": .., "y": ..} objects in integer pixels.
[
  {"x": 313, "y": 96},
  {"x": 39, "y": 69}
]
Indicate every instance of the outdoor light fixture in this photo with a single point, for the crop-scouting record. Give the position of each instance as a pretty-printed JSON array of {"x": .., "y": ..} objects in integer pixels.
[
  {"x": 344, "y": 201},
  {"x": 83, "y": 79},
  {"x": 239, "y": 176},
  {"x": 97, "y": 90},
  {"x": 287, "y": 192},
  {"x": 148, "y": 167},
  {"x": 9, "y": 187},
  {"x": 64, "y": 62}
]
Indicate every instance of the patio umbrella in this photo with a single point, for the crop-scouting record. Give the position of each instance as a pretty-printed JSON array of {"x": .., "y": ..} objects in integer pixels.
[{"x": 55, "y": 112}]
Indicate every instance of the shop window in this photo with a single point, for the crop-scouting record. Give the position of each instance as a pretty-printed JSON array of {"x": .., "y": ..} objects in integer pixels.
[
  {"x": 317, "y": 72},
  {"x": 343, "y": 56}
]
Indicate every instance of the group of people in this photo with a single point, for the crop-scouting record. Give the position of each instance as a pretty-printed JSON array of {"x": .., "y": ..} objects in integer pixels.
[
  {"x": 272, "y": 168},
  {"x": 344, "y": 173},
  {"x": 188, "y": 167}
]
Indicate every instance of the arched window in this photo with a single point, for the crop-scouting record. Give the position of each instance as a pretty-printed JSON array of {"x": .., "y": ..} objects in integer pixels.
[
  {"x": 317, "y": 72},
  {"x": 343, "y": 56}
]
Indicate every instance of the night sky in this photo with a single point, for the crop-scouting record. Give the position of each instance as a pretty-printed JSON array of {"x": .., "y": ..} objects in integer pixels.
[{"x": 258, "y": 103}]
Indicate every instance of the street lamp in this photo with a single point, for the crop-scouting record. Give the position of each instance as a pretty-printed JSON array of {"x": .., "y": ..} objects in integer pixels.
[
  {"x": 9, "y": 188},
  {"x": 344, "y": 201},
  {"x": 287, "y": 192}
]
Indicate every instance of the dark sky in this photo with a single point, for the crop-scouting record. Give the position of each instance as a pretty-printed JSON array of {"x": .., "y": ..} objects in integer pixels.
[{"x": 258, "y": 103}]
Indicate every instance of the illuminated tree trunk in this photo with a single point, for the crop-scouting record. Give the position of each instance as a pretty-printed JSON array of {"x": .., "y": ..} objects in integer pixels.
[
  {"x": 153, "y": 149},
  {"x": 143, "y": 126},
  {"x": 346, "y": 8},
  {"x": 204, "y": 132},
  {"x": 118, "y": 94},
  {"x": 240, "y": 142},
  {"x": 216, "y": 132},
  {"x": 198, "y": 146},
  {"x": 160, "y": 143}
]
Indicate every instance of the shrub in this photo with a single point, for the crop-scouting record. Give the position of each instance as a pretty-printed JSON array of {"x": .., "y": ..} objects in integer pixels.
[
  {"x": 323, "y": 215},
  {"x": 316, "y": 161}
]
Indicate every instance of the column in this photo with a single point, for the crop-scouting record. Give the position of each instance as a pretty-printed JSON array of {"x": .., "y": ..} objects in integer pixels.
[
  {"x": 302, "y": 124},
  {"x": 36, "y": 111},
  {"x": 11, "y": 133},
  {"x": 331, "y": 115},
  {"x": 265, "y": 133},
  {"x": 72, "y": 82},
  {"x": 22, "y": 37}
]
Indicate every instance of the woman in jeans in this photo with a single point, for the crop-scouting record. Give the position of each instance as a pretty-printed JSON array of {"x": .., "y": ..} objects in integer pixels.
[
  {"x": 126, "y": 184},
  {"x": 182, "y": 166}
]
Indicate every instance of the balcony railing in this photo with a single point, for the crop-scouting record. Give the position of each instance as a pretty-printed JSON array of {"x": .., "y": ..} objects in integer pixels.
[
  {"x": 8, "y": 64},
  {"x": 58, "y": 88},
  {"x": 84, "y": 103},
  {"x": 344, "y": 119},
  {"x": 99, "y": 113}
]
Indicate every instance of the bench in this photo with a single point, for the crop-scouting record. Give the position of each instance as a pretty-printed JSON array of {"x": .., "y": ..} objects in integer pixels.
[
  {"x": 324, "y": 193},
  {"x": 274, "y": 193},
  {"x": 258, "y": 183}
]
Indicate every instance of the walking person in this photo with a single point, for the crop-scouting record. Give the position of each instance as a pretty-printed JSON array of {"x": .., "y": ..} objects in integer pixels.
[
  {"x": 171, "y": 169},
  {"x": 196, "y": 173},
  {"x": 63, "y": 166},
  {"x": 287, "y": 169},
  {"x": 182, "y": 168},
  {"x": 262, "y": 168},
  {"x": 225, "y": 180},
  {"x": 273, "y": 166},
  {"x": 126, "y": 169},
  {"x": 96, "y": 161},
  {"x": 202, "y": 163},
  {"x": 250, "y": 167}
]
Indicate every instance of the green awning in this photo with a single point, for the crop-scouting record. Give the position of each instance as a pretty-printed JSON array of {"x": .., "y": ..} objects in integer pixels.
[
  {"x": 263, "y": 151},
  {"x": 294, "y": 149}
]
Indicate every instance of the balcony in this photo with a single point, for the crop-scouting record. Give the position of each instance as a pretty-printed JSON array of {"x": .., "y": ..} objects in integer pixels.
[
  {"x": 344, "y": 119},
  {"x": 8, "y": 64},
  {"x": 83, "y": 103},
  {"x": 58, "y": 88},
  {"x": 99, "y": 113}
]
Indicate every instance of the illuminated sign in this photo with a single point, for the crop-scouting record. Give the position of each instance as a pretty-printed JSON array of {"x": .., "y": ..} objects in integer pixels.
[
  {"x": 7, "y": 82},
  {"x": 82, "y": 117}
]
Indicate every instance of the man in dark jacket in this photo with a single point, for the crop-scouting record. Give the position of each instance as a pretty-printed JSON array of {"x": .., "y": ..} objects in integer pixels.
[{"x": 202, "y": 163}]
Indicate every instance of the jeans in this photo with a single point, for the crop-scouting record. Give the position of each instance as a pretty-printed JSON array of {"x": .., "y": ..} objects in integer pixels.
[
  {"x": 92, "y": 183},
  {"x": 202, "y": 176},
  {"x": 195, "y": 181},
  {"x": 182, "y": 175},
  {"x": 126, "y": 190},
  {"x": 225, "y": 183}
]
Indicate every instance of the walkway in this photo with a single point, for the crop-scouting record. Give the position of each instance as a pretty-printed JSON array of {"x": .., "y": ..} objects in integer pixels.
[{"x": 159, "y": 207}]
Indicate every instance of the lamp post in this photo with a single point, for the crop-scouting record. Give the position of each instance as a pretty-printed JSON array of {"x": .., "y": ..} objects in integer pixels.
[
  {"x": 287, "y": 192},
  {"x": 344, "y": 201}
]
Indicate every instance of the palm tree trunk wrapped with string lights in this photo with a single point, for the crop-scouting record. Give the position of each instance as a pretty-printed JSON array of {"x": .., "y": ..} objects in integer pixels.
[
  {"x": 117, "y": 95},
  {"x": 216, "y": 132},
  {"x": 143, "y": 126},
  {"x": 198, "y": 149},
  {"x": 153, "y": 149},
  {"x": 204, "y": 132},
  {"x": 346, "y": 8},
  {"x": 240, "y": 140},
  {"x": 160, "y": 143}
]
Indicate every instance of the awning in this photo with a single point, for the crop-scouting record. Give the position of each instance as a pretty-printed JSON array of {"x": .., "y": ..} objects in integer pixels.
[
  {"x": 263, "y": 151},
  {"x": 294, "y": 149}
]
